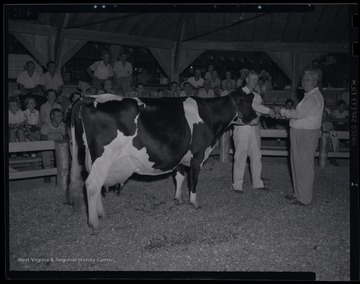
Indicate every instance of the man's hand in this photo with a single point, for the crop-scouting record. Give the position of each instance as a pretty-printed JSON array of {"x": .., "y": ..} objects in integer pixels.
[
  {"x": 272, "y": 113},
  {"x": 277, "y": 109}
]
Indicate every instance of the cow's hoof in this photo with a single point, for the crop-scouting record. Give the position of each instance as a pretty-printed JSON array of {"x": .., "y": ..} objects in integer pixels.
[
  {"x": 178, "y": 202},
  {"x": 102, "y": 216},
  {"x": 196, "y": 206}
]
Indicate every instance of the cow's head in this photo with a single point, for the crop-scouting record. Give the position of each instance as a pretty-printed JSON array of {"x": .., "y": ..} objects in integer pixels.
[{"x": 243, "y": 103}]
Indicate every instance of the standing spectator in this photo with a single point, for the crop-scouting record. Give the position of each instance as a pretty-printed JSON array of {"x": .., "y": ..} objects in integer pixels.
[
  {"x": 305, "y": 124},
  {"x": 326, "y": 127},
  {"x": 247, "y": 141},
  {"x": 205, "y": 91},
  {"x": 316, "y": 67},
  {"x": 75, "y": 96},
  {"x": 52, "y": 130},
  {"x": 209, "y": 72},
  {"x": 17, "y": 120},
  {"x": 51, "y": 79},
  {"x": 123, "y": 72},
  {"x": 241, "y": 81},
  {"x": 101, "y": 70},
  {"x": 215, "y": 82},
  {"x": 340, "y": 116},
  {"x": 46, "y": 108},
  {"x": 32, "y": 119},
  {"x": 173, "y": 90},
  {"x": 196, "y": 81},
  {"x": 228, "y": 79},
  {"x": 29, "y": 83}
]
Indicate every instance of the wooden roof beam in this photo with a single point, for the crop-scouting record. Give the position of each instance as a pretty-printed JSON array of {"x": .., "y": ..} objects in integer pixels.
[
  {"x": 121, "y": 39},
  {"x": 268, "y": 46},
  {"x": 26, "y": 28}
]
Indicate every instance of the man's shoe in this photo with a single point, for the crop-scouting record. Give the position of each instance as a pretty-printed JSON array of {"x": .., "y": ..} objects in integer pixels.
[
  {"x": 263, "y": 188},
  {"x": 238, "y": 191},
  {"x": 290, "y": 197},
  {"x": 297, "y": 202}
]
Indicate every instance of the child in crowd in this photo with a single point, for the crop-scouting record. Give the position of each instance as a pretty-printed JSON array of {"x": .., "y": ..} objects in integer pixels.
[
  {"x": 17, "y": 120},
  {"x": 51, "y": 131},
  {"x": 32, "y": 119},
  {"x": 50, "y": 104}
]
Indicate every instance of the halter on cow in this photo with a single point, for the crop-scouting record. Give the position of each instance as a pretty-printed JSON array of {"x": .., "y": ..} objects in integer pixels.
[{"x": 115, "y": 137}]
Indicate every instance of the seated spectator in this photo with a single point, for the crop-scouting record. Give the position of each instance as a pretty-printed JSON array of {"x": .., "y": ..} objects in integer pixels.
[
  {"x": 173, "y": 90},
  {"x": 215, "y": 81},
  {"x": 63, "y": 101},
  {"x": 17, "y": 121},
  {"x": 289, "y": 104},
  {"x": 160, "y": 93},
  {"x": 326, "y": 127},
  {"x": 108, "y": 88},
  {"x": 241, "y": 81},
  {"x": 51, "y": 79},
  {"x": 340, "y": 116},
  {"x": 29, "y": 83},
  {"x": 139, "y": 91},
  {"x": 163, "y": 80},
  {"x": 196, "y": 81},
  {"x": 188, "y": 90},
  {"x": 228, "y": 79},
  {"x": 46, "y": 108},
  {"x": 209, "y": 72},
  {"x": 52, "y": 130},
  {"x": 32, "y": 120},
  {"x": 85, "y": 89},
  {"x": 267, "y": 79},
  {"x": 206, "y": 91},
  {"x": 143, "y": 77},
  {"x": 101, "y": 70},
  {"x": 228, "y": 88},
  {"x": 74, "y": 97}
]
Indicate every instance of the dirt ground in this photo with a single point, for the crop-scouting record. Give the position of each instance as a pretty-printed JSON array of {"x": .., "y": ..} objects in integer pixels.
[{"x": 145, "y": 231}]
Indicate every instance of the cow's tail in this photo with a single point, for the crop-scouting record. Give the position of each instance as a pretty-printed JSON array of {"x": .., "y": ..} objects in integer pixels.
[{"x": 75, "y": 192}]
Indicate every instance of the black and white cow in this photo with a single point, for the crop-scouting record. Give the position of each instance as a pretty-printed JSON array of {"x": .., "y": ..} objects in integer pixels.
[{"x": 115, "y": 137}]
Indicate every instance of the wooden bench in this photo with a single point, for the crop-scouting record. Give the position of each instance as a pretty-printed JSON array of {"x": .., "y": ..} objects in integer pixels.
[
  {"x": 225, "y": 148},
  {"x": 62, "y": 160}
]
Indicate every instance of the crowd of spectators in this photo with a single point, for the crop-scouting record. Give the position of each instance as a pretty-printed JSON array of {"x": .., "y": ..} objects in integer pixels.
[{"x": 39, "y": 103}]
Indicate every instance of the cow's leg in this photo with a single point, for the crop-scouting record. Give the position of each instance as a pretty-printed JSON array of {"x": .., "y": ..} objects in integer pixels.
[
  {"x": 179, "y": 179},
  {"x": 193, "y": 180},
  {"x": 94, "y": 183}
]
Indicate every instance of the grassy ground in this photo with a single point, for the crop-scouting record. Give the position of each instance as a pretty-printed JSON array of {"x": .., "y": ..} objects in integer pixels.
[{"x": 145, "y": 231}]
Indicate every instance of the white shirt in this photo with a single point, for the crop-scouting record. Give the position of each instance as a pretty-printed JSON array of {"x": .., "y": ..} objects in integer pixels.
[
  {"x": 29, "y": 82},
  {"x": 196, "y": 83},
  {"x": 102, "y": 71},
  {"x": 19, "y": 117},
  {"x": 122, "y": 71},
  {"x": 308, "y": 112},
  {"x": 51, "y": 82},
  {"x": 32, "y": 116}
]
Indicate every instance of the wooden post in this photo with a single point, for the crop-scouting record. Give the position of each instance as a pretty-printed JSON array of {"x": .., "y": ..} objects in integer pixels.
[
  {"x": 323, "y": 152},
  {"x": 62, "y": 163},
  {"x": 225, "y": 146}
]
